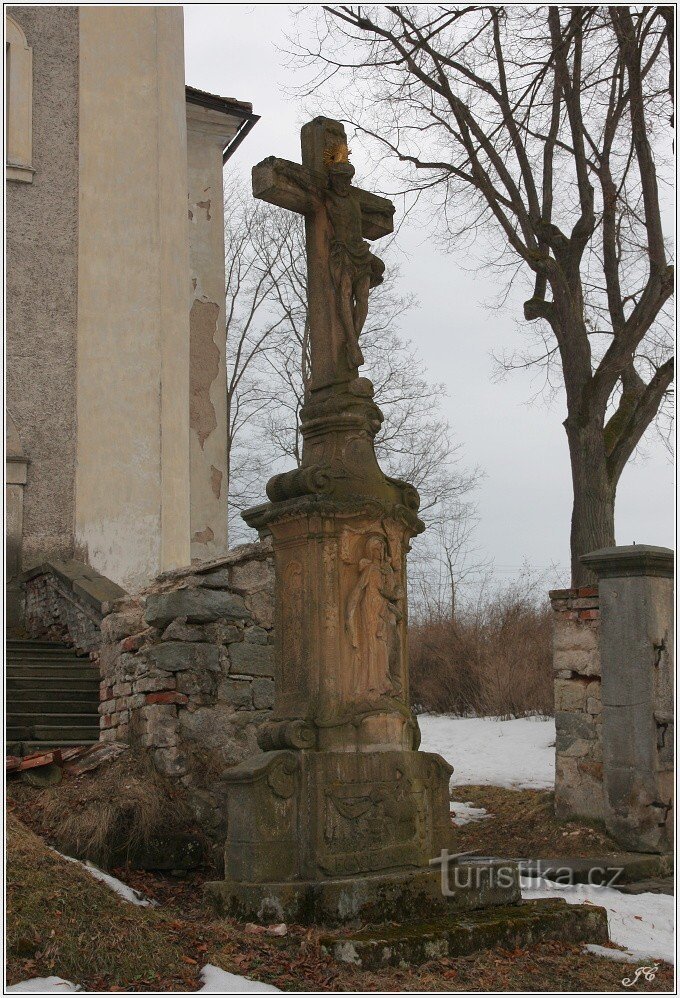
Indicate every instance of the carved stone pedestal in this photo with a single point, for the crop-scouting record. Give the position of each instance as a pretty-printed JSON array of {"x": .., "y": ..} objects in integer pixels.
[
  {"x": 332, "y": 837},
  {"x": 341, "y": 652}
]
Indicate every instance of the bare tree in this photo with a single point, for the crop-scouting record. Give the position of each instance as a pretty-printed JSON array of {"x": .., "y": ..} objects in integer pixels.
[
  {"x": 447, "y": 573},
  {"x": 259, "y": 254},
  {"x": 549, "y": 126}
]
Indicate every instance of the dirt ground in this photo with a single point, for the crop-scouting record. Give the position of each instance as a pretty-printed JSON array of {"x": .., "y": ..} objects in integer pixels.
[
  {"x": 523, "y": 826},
  {"x": 62, "y": 922}
]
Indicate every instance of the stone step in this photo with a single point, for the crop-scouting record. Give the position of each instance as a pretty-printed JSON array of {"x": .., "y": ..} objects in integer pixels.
[
  {"x": 76, "y": 732},
  {"x": 613, "y": 869},
  {"x": 28, "y": 747},
  {"x": 51, "y": 669},
  {"x": 20, "y": 645},
  {"x": 46, "y": 705},
  {"x": 511, "y": 927},
  {"x": 655, "y": 885},
  {"x": 53, "y": 651},
  {"x": 50, "y": 661},
  {"x": 43, "y": 684},
  {"x": 17, "y": 733},
  {"x": 34, "y": 693},
  {"x": 43, "y": 718}
]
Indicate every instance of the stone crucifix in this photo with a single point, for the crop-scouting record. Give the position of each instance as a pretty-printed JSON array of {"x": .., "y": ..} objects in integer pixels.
[{"x": 339, "y": 218}]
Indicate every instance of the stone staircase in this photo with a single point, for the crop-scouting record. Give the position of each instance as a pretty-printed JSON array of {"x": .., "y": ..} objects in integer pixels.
[{"x": 52, "y": 697}]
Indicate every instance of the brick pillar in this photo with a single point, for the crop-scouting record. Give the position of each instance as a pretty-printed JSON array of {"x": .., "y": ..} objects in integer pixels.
[
  {"x": 576, "y": 663},
  {"x": 636, "y": 652}
]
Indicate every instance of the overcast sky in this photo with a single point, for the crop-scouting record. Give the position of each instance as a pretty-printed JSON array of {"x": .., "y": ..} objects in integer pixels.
[{"x": 525, "y": 499}]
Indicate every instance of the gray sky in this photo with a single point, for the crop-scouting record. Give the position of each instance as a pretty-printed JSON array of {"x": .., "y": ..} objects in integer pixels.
[{"x": 525, "y": 499}]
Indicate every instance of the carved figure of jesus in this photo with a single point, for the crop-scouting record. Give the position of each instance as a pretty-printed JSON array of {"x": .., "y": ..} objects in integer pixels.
[
  {"x": 354, "y": 269},
  {"x": 372, "y": 609},
  {"x": 339, "y": 219}
]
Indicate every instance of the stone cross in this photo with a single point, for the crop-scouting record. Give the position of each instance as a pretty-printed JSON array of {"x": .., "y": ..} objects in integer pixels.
[{"x": 339, "y": 218}]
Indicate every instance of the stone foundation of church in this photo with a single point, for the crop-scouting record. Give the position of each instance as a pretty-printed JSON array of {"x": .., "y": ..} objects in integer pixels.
[{"x": 187, "y": 672}]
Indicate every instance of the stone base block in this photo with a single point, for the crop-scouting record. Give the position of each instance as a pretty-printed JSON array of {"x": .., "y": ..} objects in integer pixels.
[
  {"x": 404, "y": 896},
  {"x": 510, "y": 928},
  {"x": 307, "y": 816}
]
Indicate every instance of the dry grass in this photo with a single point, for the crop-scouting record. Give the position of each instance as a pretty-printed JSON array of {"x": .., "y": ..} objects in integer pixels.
[
  {"x": 523, "y": 825},
  {"x": 61, "y": 921},
  {"x": 112, "y": 813},
  {"x": 495, "y": 659}
]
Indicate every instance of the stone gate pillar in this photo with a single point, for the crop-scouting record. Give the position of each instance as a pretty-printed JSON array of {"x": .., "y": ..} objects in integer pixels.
[{"x": 636, "y": 653}]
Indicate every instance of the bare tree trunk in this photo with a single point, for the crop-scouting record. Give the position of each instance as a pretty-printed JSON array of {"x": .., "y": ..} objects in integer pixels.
[{"x": 592, "y": 517}]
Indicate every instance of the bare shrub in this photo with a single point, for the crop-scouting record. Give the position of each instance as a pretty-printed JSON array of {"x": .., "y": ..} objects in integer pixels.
[{"x": 492, "y": 659}]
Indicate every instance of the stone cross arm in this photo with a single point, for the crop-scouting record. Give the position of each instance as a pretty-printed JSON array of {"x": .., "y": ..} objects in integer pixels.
[{"x": 294, "y": 186}]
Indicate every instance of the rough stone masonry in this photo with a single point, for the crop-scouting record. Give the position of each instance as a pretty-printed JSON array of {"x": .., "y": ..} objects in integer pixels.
[{"x": 187, "y": 672}]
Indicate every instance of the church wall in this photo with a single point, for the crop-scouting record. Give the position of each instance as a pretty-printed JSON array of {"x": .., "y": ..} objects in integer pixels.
[
  {"x": 207, "y": 133},
  {"x": 132, "y": 486},
  {"x": 41, "y": 246}
]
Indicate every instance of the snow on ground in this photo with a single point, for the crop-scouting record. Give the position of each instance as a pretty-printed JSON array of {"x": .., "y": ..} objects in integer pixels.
[
  {"x": 127, "y": 893},
  {"x": 465, "y": 813},
  {"x": 617, "y": 955},
  {"x": 486, "y": 750},
  {"x": 642, "y": 923},
  {"x": 43, "y": 986},
  {"x": 215, "y": 981},
  {"x": 221, "y": 982}
]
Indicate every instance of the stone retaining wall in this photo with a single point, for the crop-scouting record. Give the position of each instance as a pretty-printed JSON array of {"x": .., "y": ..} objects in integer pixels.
[
  {"x": 578, "y": 703},
  {"x": 63, "y": 602},
  {"x": 187, "y": 671}
]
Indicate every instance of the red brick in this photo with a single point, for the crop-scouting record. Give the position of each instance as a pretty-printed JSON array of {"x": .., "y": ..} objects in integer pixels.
[
  {"x": 588, "y": 614},
  {"x": 135, "y": 641},
  {"x": 587, "y": 591},
  {"x": 170, "y": 697}
]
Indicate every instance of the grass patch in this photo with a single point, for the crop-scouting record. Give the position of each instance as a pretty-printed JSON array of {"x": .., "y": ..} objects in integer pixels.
[
  {"x": 110, "y": 815},
  {"x": 61, "y": 921},
  {"x": 523, "y": 825}
]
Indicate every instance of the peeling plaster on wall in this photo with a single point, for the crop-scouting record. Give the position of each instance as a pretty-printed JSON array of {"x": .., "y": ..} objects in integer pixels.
[
  {"x": 205, "y": 362},
  {"x": 203, "y": 536},
  {"x": 206, "y": 206},
  {"x": 216, "y": 481}
]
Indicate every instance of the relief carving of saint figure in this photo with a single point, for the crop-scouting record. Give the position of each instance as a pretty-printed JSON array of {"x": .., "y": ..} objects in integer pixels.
[{"x": 373, "y": 611}]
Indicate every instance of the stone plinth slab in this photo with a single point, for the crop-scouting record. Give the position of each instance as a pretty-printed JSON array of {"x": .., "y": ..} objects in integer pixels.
[
  {"x": 404, "y": 896},
  {"x": 510, "y": 928}
]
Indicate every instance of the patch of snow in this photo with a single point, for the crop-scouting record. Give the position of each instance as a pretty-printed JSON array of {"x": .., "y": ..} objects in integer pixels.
[
  {"x": 519, "y": 753},
  {"x": 618, "y": 955},
  {"x": 642, "y": 923},
  {"x": 43, "y": 986},
  {"x": 127, "y": 893},
  {"x": 217, "y": 981},
  {"x": 465, "y": 813}
]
